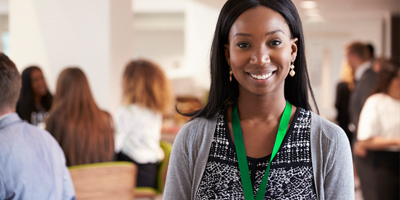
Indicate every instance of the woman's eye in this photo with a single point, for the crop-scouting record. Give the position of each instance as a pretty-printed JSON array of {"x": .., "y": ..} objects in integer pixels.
[
  {"x": 275, "y": 42},
  {"x": 243, "y": 45}
]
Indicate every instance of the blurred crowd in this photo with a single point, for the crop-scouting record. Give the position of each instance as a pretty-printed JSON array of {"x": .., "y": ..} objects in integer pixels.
[
  {"x": 85, "y": 133},
  {"x": 368, "y": 105}
]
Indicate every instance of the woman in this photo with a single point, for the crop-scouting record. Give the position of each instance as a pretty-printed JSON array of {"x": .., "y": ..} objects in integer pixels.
[
  {"x": 378, "y": 148},
  {"x": 34, "y": 97},
  {"x": 343, "y": 93},
  {"x": 146, "y": 96},
  {"x": 257, "y": 43},
  {"x": 84, "y": 132}
]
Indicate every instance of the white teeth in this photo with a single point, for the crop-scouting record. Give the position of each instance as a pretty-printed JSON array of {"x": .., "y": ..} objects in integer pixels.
[{"x": 260, "y": 77}]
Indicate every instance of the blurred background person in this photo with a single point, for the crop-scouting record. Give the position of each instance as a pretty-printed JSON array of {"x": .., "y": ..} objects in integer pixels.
[
  {"x": 377, "y": 65},
  {"x": 83, "y": 130},
  {"x": 378, "y": 148},
  {"x": 358, "y": 57},
  {"x": 32, "y": 164},
  {"x": 35, "y": 99},
  {"x": 371, "y": 52},
  {"x": 146, "y": 96},
  {"x": 343, "y": 92}
]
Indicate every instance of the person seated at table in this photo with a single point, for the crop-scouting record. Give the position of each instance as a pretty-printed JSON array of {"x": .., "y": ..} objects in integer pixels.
[
  {"x": 146, "y": 96},
  {"x": 35, "y": 99},
  {"x": 84, "y": 131}
]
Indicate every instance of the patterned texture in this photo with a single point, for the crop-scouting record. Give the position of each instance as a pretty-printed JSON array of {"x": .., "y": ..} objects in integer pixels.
[{"x": 290, "y": 175}]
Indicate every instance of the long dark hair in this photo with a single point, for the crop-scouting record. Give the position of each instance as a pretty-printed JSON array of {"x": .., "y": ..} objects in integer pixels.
[
  {"x": 223, "y": 92},
  {"x": 388, "y": 71},
  {"x": 84, "y": 132},
  {"x": 26, "y": 104}
]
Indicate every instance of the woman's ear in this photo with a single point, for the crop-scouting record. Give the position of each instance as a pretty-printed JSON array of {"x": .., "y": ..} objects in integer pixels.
[
  {"x": 227, "y": 54},
  {"x": 294, "y": 48}
]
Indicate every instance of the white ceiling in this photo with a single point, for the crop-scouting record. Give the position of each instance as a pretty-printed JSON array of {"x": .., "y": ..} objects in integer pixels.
[
  {"x": 326, "y": 8},
  {"x": 340, "y": 8}
]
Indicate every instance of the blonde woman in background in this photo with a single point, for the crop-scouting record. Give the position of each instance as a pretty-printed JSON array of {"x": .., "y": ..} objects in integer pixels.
[
  {"x": 343, "y": 91},
  {"x": 146, "y": 96}
]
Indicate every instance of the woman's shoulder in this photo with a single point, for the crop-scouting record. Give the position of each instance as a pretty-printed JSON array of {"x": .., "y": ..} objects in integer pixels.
[
  {"x": 328, "y": 140},
  {"x": 197, "y": 130},
  {"x": 197, "y": 125},
  {"x": 326, "y": 129},
  {"x": 135, "y": 108},
  {"x": 381, "y": 99},
  {"x": 342, "y": 85},
  {"x": 378, "y": 97},
  {"x": 319, "y": 123},
  {"x": 106, "y": 114}
]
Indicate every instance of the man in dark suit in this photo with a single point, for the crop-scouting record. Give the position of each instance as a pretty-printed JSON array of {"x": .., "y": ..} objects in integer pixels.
[{"x": 358, "y": 58}]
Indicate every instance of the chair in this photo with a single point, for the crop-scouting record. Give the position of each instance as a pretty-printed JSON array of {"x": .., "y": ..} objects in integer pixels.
[
  {"x": 148, "y": 192},
  {"x": 101, "y": 181}
]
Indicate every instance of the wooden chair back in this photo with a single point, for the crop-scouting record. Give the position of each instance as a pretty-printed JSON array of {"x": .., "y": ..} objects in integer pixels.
[{"x": 101, "y": 181}]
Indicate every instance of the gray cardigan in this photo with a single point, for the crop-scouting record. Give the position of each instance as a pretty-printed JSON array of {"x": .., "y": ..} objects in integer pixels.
[{"x": 330, "y": 153}]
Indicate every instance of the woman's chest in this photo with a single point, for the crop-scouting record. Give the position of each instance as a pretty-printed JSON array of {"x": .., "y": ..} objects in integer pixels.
[{"x": 290, "y": 176}]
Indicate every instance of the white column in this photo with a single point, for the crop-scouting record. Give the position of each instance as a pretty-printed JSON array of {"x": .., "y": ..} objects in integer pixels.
[
  {"x": 200, "y": 23},
  {"x": 95, "y": 35}
]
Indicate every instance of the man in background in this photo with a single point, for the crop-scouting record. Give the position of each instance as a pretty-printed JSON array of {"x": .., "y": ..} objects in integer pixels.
[
  {"x": 32, "y": 164},
  {"x": 358, "y": 57},
  {"x": 371, "y": 52}
]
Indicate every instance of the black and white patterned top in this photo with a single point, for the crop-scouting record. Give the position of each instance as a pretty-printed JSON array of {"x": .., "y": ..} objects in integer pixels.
[{"x": 290, "y": 176}]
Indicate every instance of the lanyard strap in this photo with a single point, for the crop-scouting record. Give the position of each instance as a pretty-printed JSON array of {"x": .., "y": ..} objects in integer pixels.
[{"x": 241, "y": 152}]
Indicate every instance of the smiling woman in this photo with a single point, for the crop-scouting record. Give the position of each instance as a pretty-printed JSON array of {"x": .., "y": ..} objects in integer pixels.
[{"x": 257, "y": 137}]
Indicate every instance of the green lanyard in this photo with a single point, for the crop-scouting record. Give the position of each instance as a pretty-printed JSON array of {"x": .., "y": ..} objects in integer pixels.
[{"x": 241, "y": 152}]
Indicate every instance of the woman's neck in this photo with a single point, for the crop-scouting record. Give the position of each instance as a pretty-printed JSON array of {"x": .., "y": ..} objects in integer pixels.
[
  {"x": 395, "y": 94},
  {"x": 262, "y": 107},
  {"x": 37, "y": 100}
]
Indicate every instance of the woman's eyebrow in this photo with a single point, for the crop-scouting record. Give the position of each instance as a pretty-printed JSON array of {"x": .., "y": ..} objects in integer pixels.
[
  {"x": 242, "y": 34},
  {"x": 273, "y": 32},
  {"x": 249, "y": 35}
]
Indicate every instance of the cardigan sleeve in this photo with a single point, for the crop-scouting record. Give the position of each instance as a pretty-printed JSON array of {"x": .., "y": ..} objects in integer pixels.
[
  {"x": 339, "y": 179},
  {"x": 189, "y": 158},
  {"x": 332, "y": 161},
  {"x": 179, "y": 179}
]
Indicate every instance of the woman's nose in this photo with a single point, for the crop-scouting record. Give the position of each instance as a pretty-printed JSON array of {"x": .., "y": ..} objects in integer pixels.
[{"x": 260, "y": 57}]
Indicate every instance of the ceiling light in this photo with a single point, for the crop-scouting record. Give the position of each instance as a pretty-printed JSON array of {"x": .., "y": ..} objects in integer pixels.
[
  {"x": 308, "y": 4},
  {"x": 312, "y": 12}
]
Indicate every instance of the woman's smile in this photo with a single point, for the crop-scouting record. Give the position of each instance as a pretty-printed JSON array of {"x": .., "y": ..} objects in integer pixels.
[{"x": 261, "y": 77}]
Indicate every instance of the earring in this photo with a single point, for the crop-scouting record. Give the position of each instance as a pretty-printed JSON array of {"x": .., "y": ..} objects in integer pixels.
[
  {"x": 230, "y": 74},
  {"x": 292, "y": 73}
]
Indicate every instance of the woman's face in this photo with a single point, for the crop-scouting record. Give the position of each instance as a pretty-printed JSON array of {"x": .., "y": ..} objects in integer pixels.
[
  {"x": 260, "y": 51},
  {"x": 38, "y": 83}
]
